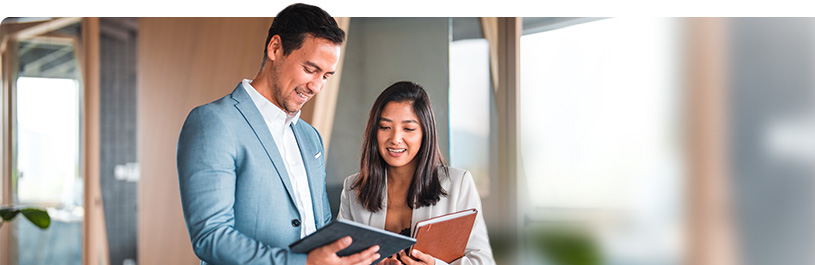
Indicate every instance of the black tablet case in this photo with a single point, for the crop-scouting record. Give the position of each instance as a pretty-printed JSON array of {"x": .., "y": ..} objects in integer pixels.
[{"x": 363, "y": 237}]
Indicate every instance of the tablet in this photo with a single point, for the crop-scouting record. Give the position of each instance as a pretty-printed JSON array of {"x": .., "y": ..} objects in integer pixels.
[{"x": 363, "y": 236}]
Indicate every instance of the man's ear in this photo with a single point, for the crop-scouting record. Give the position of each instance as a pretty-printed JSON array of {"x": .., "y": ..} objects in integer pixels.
[{"x": 275, "y": 48}]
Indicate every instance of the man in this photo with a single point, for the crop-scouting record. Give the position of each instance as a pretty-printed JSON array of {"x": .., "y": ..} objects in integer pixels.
[{"x": 251, "y": 173}]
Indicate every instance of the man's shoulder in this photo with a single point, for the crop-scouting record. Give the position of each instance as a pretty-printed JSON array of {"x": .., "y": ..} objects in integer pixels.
[
  {"x": 217, "y": 106},
  {"x": 217, "y": 112},
  {"x": 222, "y": 102},
  {"x": 227, "y": 100}
]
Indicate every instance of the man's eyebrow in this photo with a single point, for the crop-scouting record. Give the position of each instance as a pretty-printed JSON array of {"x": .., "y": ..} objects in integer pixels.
[{"x": 312, "y": 64}]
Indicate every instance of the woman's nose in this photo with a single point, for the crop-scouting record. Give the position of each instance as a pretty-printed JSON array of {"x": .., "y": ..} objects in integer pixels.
[{"x": 396, "y": 138}]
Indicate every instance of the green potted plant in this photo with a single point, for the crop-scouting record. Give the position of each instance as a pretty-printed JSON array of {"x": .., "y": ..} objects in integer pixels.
[
  {"x": 37, "y": 217},
  {"x": 567, "y": 244}
]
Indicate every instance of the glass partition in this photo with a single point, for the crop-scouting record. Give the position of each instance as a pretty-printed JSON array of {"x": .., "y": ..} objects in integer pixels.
[
  {"x": 471, "y": 102},
  {"x": 600, "y": 139},
  {"x": 46, "y": 163}
]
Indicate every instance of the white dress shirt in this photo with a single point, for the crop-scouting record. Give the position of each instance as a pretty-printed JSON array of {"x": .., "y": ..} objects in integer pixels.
[{"x": 280, "y": 126}]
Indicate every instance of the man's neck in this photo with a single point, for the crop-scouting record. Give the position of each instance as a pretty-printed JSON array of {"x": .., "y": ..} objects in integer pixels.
[{"x": 262, "y": 85}]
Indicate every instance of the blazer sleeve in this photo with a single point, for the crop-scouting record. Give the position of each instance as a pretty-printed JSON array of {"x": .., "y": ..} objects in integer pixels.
[
  {"x": 207, "y": 180},
  {"x": 478, "y": 249}
]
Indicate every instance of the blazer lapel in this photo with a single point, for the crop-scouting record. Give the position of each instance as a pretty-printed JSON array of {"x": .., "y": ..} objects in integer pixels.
[
  {"x": 308, "y": 151},
  {"x": 420, "y": 214},
  {"x": 252, "y": 115}
]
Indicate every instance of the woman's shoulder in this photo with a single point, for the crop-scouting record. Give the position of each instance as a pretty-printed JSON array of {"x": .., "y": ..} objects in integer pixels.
[
  {"x": 349, "y": 180},
  {"x": 458, "y": 175},
  {"x": 459, "y": 184},
  {"x": 454, "y": 171}
]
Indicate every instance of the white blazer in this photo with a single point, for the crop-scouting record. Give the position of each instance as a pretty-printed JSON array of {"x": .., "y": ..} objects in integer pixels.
[{"x": 461, "y": 195}]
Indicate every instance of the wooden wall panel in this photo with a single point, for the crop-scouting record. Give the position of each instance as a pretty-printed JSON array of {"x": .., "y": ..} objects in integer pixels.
[
  {"x": 183, "y": 63},
  {"x": 711, "y": 238},
  {"x": 94, "y": 241}
]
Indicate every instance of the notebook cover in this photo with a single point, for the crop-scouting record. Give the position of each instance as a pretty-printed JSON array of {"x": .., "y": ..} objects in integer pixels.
[
  {"x": 445, "y": 240},
  {"x": 363, "y": 237}
]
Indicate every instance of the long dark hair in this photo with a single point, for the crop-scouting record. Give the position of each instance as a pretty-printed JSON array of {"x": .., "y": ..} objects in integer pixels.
[{"x": 425, "y": 187}]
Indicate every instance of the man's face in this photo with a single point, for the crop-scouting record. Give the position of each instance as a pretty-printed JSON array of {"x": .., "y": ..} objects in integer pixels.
[{"x": 297, "y": 77}]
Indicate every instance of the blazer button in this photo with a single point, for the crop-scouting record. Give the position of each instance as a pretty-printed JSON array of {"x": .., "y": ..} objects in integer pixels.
[{"x": 295, "y": 223}]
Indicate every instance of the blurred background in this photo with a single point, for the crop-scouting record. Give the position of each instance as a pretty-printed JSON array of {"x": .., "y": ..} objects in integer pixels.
[{"x": 629, "y": 140}]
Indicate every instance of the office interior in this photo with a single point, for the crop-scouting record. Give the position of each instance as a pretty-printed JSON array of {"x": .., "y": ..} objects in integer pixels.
[{"x": 616, "y": 140}]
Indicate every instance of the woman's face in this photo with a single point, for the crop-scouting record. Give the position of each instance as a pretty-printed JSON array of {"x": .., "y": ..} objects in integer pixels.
[{"x": 399, "y": 134}]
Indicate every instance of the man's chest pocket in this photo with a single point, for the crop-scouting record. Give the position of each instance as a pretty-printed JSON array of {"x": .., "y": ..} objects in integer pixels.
[{"x": 319, "y": 159}]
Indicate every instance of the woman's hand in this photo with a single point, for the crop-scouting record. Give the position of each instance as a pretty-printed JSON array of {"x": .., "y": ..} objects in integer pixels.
[
  {"x": 418, "y": 258},
  {"x": 392, "y": 260}
]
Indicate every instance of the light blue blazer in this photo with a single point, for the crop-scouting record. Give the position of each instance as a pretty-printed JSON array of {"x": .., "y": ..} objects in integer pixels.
[{"x": 237, "y": 197}]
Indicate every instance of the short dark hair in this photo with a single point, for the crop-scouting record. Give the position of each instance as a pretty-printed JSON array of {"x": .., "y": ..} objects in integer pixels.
[
  {"x": 297, "y": 20},
  {"x": 425, "y": 187}
]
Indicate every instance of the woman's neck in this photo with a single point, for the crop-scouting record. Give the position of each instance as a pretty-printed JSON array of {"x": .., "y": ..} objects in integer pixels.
[{"x": 400, "y": 176}]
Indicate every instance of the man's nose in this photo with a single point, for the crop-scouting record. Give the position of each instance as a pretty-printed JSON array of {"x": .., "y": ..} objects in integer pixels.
[{"x": 316, "y": 85}]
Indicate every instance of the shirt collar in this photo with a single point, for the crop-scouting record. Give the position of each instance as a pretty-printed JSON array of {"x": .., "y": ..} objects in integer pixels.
[{"x": 269, "y": 110}]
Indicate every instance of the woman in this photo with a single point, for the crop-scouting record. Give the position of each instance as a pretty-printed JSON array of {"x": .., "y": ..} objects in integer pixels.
[{"x": 403, "y": 178}]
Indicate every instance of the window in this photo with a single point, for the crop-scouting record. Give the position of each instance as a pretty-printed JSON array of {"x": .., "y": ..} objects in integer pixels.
[
  {"x": 46, "y": 171},
  {"x": 600, "y": 131},
  {"x": 48, "y": 141},
  {"x": 470, "y": 97}
]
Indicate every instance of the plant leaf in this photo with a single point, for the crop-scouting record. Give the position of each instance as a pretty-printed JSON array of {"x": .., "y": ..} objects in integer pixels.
[
  {"x": 565, "y": 245},
  {"x": 37, "y": 217},
  {"x": 8, "y": 213}
]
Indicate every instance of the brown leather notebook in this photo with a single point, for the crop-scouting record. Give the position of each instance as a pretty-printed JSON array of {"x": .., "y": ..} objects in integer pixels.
[{"x": 445, "y": 237}]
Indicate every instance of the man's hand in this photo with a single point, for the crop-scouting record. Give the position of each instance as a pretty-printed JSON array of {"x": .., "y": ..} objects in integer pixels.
[{"x": 328, "y": 254}]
